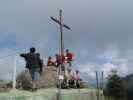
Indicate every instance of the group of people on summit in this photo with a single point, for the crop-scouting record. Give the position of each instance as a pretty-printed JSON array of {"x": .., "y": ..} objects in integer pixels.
[
  {"x": 67, "y": 58},
  {"x": 34, "y": 64}
]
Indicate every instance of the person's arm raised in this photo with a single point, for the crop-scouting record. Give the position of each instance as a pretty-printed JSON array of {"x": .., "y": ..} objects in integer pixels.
[{"x": 23, "y": 55}]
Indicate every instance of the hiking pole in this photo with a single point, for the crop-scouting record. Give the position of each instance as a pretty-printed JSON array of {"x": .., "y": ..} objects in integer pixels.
[
  {"x": 97, "y": 82},
  {"x": 102, "y": 84}
]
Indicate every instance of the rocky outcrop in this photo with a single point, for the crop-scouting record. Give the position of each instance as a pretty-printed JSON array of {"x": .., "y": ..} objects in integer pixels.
[{"x": 49, "y": 77}]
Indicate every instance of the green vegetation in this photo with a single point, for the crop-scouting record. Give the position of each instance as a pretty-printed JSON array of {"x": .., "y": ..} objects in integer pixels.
[
  {"x": 116, "y": 87},
  {"x": 24, "y": 81},
  {"x": 129, "y": 80}
]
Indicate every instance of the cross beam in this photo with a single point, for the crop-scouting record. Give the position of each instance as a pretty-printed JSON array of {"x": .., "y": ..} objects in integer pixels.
[{"x": 57, "y": 21}]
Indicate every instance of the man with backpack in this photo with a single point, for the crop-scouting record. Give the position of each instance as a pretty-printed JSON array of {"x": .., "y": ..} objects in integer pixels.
[{"x": 34, "y": 64}]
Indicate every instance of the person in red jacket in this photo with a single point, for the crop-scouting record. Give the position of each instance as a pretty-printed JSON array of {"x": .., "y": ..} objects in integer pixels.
[
  {"x": 69, "y": 57},
  {"x": 58, "y": 60},
  {"x": 50, "y": 62}
]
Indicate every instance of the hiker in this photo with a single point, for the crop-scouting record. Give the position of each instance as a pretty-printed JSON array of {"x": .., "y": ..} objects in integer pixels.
[
  {"x": 69, "y": 57},
  {"x": 50, "y": 62},
  {"x": 34, "y": 64},
  {"x": 71, "y": 78},
  {"x": 77, "y": 79},
  {"x": 67, "y": 77},
  {"x": 58, "y": 60}
]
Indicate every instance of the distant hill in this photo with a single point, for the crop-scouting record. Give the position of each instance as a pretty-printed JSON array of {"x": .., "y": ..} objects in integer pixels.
[{"x": 129, "y": 80}]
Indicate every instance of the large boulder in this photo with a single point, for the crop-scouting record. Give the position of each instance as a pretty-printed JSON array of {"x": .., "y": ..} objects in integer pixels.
[{"x": 49, "y": 77}]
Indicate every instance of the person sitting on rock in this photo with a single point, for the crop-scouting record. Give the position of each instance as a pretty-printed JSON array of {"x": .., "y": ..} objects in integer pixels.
[
  {"x": 50, "y": 62},
  {"x": 77, "y": 79},
  {"x": 71, "y": 78}
]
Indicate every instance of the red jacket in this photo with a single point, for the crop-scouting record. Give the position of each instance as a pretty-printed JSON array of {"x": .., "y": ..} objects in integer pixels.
[
  {"x": 58, "y": 59},
  {"x": 69, "y": 56},
  {"x": 50, "y": 63}
]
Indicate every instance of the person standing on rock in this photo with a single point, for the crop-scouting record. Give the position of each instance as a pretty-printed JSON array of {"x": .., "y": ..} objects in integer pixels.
[
  {"x": 58, "y": 60},
  {"x": 34, "y": 65},
  {"x": 69, "y": 57}
]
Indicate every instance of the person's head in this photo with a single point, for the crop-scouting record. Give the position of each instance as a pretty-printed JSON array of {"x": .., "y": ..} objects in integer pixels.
[
  {"x": 56, "y": 55},
  {"x": 77, "y": 71},
  {"x": 32, "y": 49},
  {"x": 49, "y": 58},
  {"x": 67, "y": 50}
]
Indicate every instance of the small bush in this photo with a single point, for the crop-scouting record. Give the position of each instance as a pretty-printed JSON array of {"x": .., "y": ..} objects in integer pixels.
[{"x": 24, "y": 81}]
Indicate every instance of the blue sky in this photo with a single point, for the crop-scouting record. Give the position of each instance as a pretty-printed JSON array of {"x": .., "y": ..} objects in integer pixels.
[
  {"x": 8, "y": 42},
  {"x": 101, "y": 35}
]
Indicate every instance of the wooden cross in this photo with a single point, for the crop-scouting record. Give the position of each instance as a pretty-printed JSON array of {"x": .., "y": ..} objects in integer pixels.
[{"x": 62, "y": 25}]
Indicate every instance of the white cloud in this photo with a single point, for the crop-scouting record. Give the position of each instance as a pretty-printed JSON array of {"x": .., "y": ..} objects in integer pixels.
[
  {"x": 88, "y": 70},
  {"x": 111, "y": 59},
  {"x": 114, "y": 60},
  {"x": 110, "y": 53},
  {"x": 124, "y": 69}
]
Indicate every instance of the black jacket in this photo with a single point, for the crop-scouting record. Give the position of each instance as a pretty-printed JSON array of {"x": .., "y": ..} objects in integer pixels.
[{"x": 32, "y": 60}]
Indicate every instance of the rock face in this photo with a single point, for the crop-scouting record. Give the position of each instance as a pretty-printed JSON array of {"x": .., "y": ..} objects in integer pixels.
[{"x": 49, "y": 77}]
